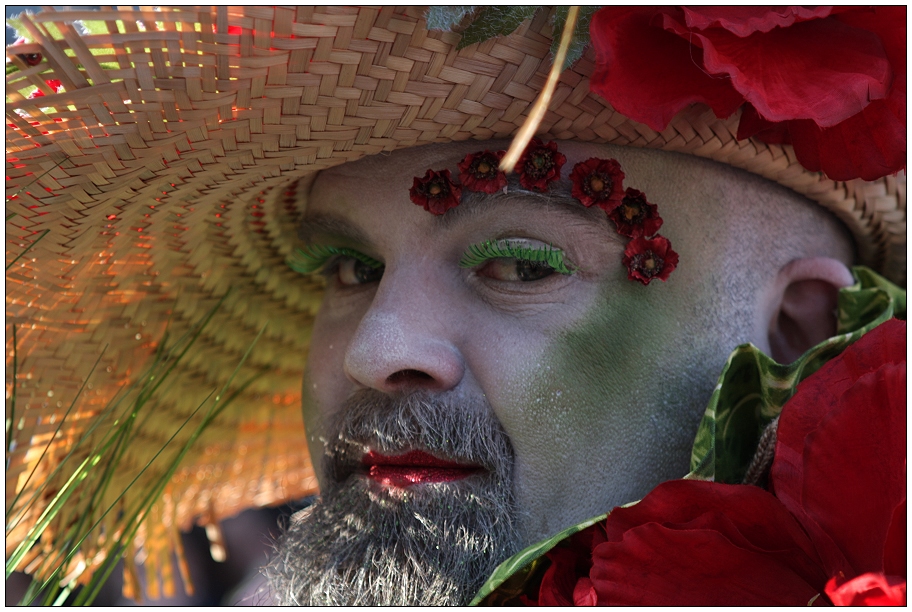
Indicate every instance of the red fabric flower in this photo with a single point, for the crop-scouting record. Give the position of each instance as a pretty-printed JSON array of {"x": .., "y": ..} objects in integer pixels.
[
  {"x": 566, "y": 581},
  {"x": 598, "y": 181},
  {"x": 480, "y": 172},
  {"x": 540, "y": 165},
  {"x": 436, "y": 192},
  {"x": 649, "y": 258},
  {"x": 870, "y": 589},
  {"x": 636, "y": 216},
  {"x": 54, "y": 84},
  {"x": 830, "y": 81},
  {"x": 834, "y": 525}
]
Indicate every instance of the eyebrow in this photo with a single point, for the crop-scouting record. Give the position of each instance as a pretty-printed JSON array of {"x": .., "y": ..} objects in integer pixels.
[
  {"x": 329, "y": 225},
  {"x": 473, "y": 204},
  {"x": 557, "y": 200}
]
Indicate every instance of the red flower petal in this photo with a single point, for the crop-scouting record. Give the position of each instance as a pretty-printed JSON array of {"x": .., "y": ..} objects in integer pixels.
[
  {"x": 894, "y": 562},
  {"x": 480, "y": 172},
  {"x": 867, "y": 590},
  {"x": 648, "y": 74},
  {"x": 636, "y": 216},
  {"x": 584, "y": 593},
  {"x": 436, "y": 192},
  {"x": 559, "y": 579},
  {"x": 598, "y": 181},
  {"x": 539, "y": 165},
  {"x": 702, "y": 543},
  {"x": 648, "y": 259},
  {"x": 822, "y": 70},
  {"x": 570, "y": 563},
  {"x": 823, "y": 471},
  {"x": 833, "y": 86},
  {"x": 743, "y": 21}
]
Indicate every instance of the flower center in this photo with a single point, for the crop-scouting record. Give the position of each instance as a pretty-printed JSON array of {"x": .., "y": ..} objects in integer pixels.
[
  {"x": 596, "y": 184},
  {"x": 649, "y": 264},
  {"x": 435, "y": 189},
  {"x": 539, "y": 162},
  {"x": 631, "y": 211},
  {"x": 484, "y": 167}
]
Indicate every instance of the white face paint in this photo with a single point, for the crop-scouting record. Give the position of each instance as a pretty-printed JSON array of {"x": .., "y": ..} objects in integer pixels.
[{"x": 598, "y": 381}]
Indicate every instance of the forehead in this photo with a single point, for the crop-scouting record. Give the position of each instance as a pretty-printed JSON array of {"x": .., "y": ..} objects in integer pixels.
[
  {"x": 439, "y": 156},
  {"x": 348, "y": 199}
]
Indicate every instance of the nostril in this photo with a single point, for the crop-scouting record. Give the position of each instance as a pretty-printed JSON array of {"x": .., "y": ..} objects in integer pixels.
[{"x": 409, "y": 377}]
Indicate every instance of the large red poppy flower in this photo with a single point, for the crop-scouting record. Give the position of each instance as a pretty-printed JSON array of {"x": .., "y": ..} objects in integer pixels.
[
  {"x": 831, "y": 81},
  {"x": 832, "y": 528},
  {"x": 436, "y": 192}
]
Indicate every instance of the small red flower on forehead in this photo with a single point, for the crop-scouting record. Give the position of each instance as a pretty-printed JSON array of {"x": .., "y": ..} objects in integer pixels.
[
  {"x": 479, "y": 172},
  {"x": 436, "y": 192},
  {"x": 636, "y": 216},
  {"x": 598, "y": 181},
  {"x": 539, "y": 165},
  {"x": 649, "y": 258}
]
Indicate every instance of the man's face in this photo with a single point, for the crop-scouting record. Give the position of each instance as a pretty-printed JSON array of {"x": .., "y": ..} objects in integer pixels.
[{"x": 596, "y": 381}]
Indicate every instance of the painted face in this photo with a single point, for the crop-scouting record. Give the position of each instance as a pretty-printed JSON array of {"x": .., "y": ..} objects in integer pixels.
[{"x": 599, "y": 382}]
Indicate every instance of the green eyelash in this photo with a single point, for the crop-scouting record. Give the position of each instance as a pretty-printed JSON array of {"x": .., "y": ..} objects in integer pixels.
[
  {"x": 492, "y": 249},
  {"x": 313, "y": 257}
]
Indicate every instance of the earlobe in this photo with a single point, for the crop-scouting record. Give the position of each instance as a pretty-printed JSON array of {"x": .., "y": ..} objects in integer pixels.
[{"x": 803, "y": 308}]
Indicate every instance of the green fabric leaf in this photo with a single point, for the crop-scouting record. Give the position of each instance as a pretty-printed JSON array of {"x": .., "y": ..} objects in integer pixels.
[
  {"x": 446, "y": 17},
  {"x": 753, "y": 387},
  {"x": 495, "y": 21},
  {"x": 522, "y": 565},
  {"x": 749, "y": 395},
  {"x": 580, "y": 39}
]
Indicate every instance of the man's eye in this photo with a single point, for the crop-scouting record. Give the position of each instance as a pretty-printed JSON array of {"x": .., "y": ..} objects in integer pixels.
[
  {"x": 511, "y": 269},
  {"x": 351, "y": 271}
]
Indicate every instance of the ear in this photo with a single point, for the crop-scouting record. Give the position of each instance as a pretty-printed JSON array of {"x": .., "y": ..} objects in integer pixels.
[{"x": 803, "y": 305}]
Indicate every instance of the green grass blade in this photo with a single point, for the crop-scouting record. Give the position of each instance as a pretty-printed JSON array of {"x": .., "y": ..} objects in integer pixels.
[
  {"x": 37, "y": 178},
  {"x": 62, "y": 421},
  {"x": 45, "y": 519},
  {"x": 87, "y": 485},
  {"x": 12, "y": 414},
  {"x": 88, "y": 594},
  {"x": 26, "y": 250}
]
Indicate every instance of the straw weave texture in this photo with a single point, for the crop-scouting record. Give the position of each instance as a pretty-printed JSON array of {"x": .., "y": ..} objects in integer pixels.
[{"x": 171, "y": 172}]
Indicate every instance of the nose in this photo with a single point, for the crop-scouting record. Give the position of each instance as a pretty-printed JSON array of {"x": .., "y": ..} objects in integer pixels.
[{"x": 405, "y": 342}]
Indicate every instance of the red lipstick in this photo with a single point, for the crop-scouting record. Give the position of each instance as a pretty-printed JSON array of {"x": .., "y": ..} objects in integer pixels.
[{"x": 414, "y": 467}]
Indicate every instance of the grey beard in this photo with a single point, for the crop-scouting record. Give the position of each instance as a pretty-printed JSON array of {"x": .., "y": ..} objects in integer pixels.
[{"x": 427, "y": 544}]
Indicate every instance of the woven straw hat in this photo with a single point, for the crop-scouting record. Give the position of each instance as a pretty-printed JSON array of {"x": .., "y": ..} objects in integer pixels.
[{"x": 170, "y": 174}]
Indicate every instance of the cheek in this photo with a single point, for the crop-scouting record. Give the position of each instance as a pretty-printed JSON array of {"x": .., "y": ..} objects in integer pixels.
[
  {"x": 579, "y": 413},
  {"x": 325, "y": 385}
]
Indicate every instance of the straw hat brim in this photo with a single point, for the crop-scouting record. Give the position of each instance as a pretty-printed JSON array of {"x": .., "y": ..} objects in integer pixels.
[{"x": 171, "y": 171}]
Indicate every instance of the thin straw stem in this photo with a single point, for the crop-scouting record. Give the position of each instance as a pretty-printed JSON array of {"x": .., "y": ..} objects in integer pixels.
[{"x": 530, "y": 126}]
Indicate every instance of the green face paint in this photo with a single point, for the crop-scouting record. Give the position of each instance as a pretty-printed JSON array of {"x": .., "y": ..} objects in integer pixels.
[{"x": 607, "y": 412}]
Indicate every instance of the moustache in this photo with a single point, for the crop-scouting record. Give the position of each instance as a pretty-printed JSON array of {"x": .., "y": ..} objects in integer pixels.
[{"x": 452, "y": 428}]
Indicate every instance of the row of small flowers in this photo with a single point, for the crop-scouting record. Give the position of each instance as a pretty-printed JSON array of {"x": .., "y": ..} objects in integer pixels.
[{"x": 595, "y": 182}]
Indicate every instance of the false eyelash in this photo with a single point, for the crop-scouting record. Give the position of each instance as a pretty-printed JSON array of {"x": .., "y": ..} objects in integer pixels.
[
  {"x": 313, "y": 257},
  {"x": 491, "y": 249}
]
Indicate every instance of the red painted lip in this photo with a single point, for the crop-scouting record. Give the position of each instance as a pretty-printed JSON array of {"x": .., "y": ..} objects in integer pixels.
[{"x": 414, "y": 467}]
